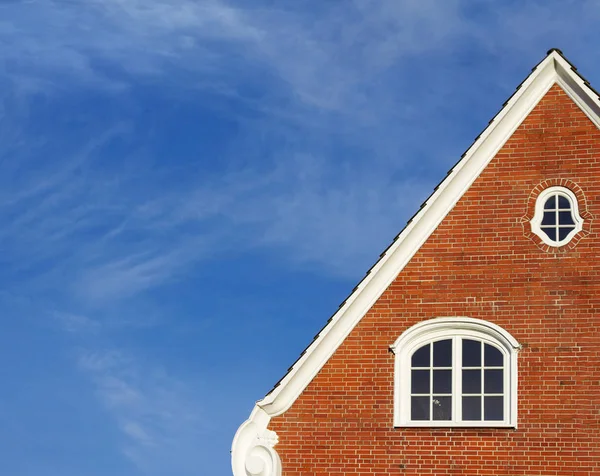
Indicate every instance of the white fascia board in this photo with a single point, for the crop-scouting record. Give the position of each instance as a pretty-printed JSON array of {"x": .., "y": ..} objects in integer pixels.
[
  {"x": 577, "y": 89},
  {"x": 553, "y": 69}
]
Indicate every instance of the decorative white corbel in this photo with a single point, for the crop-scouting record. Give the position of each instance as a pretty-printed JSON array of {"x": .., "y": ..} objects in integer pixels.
[{"x": 253, "y": 451}]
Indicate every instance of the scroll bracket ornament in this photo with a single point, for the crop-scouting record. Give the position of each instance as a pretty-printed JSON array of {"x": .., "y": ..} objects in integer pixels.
[{"x": 253, "y": 452}]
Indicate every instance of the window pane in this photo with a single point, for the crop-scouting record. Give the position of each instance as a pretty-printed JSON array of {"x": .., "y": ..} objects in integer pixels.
[
  {"x": 565, "y": 218},
  {"x": 563, "y": 232},
  {"x": 471, "y": 350},
  {"x": 419, "y": 408},
  {"x": 442, "y": 408},
  {"x": 550, "y": 203},
  {"x": 421, "y": 357},
  {"x": 549, "y": 218},
  {"x": 563, "y": 202},
  {"x": 493, "y": 381},
  {"x": 551, "y": 232},
  {"x": 442, "y": 381},
  {"x": 471, "y": 408},
  {"x": 493, "y": 408},
  {"x": 471, "y": 381},
  {"x": 442, "y": 353},
  {"x": 419, "y": 381},
  {"x": 493, "y": 357}
]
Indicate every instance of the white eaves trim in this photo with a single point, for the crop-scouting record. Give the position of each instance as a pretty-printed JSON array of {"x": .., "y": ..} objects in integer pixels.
[{"x": 554, "y": 69}]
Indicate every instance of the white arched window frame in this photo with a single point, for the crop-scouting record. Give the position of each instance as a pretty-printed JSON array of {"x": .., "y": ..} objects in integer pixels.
[
  {"x": 562, "y": 216},
  {"x": 456, "y": 329}
]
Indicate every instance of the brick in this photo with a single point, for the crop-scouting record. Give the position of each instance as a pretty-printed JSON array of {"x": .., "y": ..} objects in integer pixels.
[{"x": 481, "y": 262}]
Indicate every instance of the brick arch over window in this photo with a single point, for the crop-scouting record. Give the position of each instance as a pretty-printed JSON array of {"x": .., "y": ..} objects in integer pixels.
[{"x": 583, "y": 212}]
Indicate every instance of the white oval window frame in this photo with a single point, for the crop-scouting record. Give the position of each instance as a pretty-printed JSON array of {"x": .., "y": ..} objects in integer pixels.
[{"x": 536, "y": 221}]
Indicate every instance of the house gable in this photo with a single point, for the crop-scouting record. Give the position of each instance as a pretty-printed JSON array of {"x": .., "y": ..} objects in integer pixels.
[{"x": 432, "y": 270}]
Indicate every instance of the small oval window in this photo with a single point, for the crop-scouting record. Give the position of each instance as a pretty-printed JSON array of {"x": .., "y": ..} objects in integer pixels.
[{"x": 556, "y": 219}]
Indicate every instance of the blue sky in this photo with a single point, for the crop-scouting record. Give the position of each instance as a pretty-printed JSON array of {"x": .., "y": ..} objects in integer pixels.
[{"x": 188, "y": 189}]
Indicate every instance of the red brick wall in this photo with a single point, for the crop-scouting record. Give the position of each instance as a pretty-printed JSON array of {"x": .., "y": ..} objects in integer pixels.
[{"x": 478, "y": 263}]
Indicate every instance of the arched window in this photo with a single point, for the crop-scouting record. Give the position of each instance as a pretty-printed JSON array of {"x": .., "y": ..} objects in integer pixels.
[
  {"x": 455, "y": 371},
  {"x": 556, "y": 220}
]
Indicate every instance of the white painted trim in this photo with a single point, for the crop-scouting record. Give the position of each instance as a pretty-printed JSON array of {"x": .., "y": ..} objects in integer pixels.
[
  {"x": 552, "y": 70},
  {"x": 253, "y": 449},
  {"x": 454, "y": 328},
  {"x": 536, "y": 221},
  {"x": 458, "y": 324},
  {"x": 576, "y": 88}
]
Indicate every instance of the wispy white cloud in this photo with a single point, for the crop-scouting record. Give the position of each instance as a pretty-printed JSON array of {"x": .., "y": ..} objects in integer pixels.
[
  {"x": 312, "y": 212},
  {"x": 331, "y": 62},
  {"x": 138, "y": 434},
  {"x": 160, "y": 417},
  {"x": 331, "y": 55},
  {"x": 129, "y": 275},
  {"x": 77, "y": 323},
  {"x": 108, "y": 239},
  {"x": 327, "y": 75}
]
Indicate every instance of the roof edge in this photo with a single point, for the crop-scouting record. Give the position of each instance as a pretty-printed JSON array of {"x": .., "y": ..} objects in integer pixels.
[
  {"x": 433, "y": 211},
  {"x": 553, "y": 69}
]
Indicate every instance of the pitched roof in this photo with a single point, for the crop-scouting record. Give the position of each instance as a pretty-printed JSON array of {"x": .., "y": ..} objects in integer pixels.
[{"x": 553, "y": 69}]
